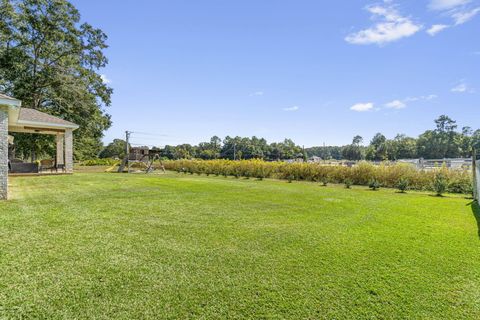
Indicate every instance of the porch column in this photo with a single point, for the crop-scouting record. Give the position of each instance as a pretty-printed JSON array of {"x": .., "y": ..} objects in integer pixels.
[
  {"x": 60, "y": 150},
  {"x": 3, "y": 152},
  {"x": 68, "y": 150}
]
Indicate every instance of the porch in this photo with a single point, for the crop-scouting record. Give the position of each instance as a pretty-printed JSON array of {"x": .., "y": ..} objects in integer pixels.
[{"x": 14, "y": 118}]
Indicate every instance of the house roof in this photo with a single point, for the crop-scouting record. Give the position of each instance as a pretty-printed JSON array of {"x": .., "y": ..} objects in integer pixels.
[
  {"x": 9, "y": 101},
  {"x": 31, "y": 120},
  {"x": 4, "y": 96},
  {"x": 32, "y": 116}
]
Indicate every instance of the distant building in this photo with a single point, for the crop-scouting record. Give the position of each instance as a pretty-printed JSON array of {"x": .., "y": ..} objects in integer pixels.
[{"x": 315, "y": 159}]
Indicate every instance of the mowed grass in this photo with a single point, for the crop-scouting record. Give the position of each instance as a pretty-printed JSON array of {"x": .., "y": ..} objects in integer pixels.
[{"x": 98, "y": 246}]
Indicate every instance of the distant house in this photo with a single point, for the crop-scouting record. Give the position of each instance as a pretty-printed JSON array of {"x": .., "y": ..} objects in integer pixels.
[
  {"x": 315, "y": 159},
  {"x": 14, "y": 118}
]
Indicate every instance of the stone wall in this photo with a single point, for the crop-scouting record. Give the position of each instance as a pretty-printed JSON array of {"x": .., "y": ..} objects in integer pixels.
[{"x": 3, "y": 152}]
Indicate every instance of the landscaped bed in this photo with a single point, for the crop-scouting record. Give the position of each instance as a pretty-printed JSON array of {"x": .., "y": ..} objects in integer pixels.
[{"x": 97, "y": 245}]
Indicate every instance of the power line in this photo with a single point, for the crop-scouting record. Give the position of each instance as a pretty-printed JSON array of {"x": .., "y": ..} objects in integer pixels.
[{"x": 150, "y": 134}]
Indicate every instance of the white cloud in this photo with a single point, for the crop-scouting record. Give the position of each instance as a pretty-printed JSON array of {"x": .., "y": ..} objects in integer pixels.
[
  {"x": 362, "y": 107},
  {"x": 459, "y": 10},
  {"x": 420, "y": 98},
  {"x": 446, "y": 4},
  {"x": 105, "y": 79},
  {"x": 401, "y": 104},
  {"x": 436, "y": 28},
  {"x": 461, "y": 17},
  {"x": 256, "y": 93},
  {"x": 391, "y": 27},
  {"x": 395, "y": 104},
  {"x": 294, "y": 108},
  {"x": 462, "y": 87}
]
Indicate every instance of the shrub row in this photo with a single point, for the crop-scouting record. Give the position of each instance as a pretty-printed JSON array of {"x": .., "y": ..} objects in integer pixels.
[
  {"x": 99, "y": 162},
  {"x": 387, "y": 174}
]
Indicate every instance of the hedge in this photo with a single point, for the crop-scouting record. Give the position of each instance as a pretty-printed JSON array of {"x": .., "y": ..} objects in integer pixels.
[{"x": 387, "y": 174}]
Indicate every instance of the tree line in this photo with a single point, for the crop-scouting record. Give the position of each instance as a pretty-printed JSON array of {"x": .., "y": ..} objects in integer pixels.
[
  {"x": 442, "y": 142},
  {"x": 233, "y": 148}
]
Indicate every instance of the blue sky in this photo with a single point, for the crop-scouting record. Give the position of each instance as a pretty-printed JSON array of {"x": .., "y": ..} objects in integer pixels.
[{"x": 314, "y": 71}]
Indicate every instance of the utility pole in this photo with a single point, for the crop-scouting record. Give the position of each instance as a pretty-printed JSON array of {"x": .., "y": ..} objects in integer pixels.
[
  {"x": 127, "y": 148},
  {"x": 125, "y": 161}
]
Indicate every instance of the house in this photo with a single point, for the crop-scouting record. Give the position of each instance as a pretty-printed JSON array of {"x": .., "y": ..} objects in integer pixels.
[
  {"x": 14, "y": 118},
  {"x": 315, "y": 159}
]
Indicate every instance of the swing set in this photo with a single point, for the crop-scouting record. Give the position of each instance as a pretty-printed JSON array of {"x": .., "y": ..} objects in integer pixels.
[{"x": 145, "y": 158}]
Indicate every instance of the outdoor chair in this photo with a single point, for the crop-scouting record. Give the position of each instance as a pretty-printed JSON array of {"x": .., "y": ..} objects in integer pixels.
[
  {"x": 60, "y": 166},
  {"x": 47, "y": 164}
]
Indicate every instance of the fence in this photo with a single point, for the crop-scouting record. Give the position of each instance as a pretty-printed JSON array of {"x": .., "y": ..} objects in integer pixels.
[{"x": 429, "y": 164}]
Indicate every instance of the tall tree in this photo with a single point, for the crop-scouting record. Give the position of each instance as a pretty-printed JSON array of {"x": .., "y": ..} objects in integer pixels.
[
  {"x": 353, "y": 151},
  {"x": 404, "y": 147},
  {"x": 51, "y": 61},
  {"x": 378, "y": 148},
  {"x": 476, "y": 140},
  {"x": 357, "y": 140},
  {"x": 115, "y": 149},
  {"x": 443, "y": 142},
  {"x": 466, "y": 142},
  {"x": 447, "y": 137}
]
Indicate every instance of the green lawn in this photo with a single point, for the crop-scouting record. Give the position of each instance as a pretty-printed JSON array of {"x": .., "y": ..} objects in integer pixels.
[{"x": 96, "y": 245}]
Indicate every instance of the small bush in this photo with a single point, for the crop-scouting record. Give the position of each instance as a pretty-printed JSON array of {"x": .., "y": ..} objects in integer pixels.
[
  {"x": 440, "y": 184},
  {"x": 402, "y": 185},
  {"x": 290, "y": 178},
  {"x": 459, "y": 186},
  {"x": 348, "y": 183},
  {"x": 374, "y": 184},
  {"x": 325, "y": 181}
]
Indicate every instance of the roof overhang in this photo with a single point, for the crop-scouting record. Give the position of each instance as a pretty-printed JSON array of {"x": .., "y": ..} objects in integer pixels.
[
  {"x": 13, "y": 106},
  {"x": 32, "y": 124},
  {"x": 41, "y": 128},
  {"x": 46, "y": 125}
]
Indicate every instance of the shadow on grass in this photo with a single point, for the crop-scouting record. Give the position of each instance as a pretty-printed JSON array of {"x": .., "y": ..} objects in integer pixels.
[{"x": 476, "y": 213}]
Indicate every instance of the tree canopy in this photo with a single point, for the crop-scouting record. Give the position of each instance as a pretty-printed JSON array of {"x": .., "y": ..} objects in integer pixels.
[{"x": 50, "y": 60}]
